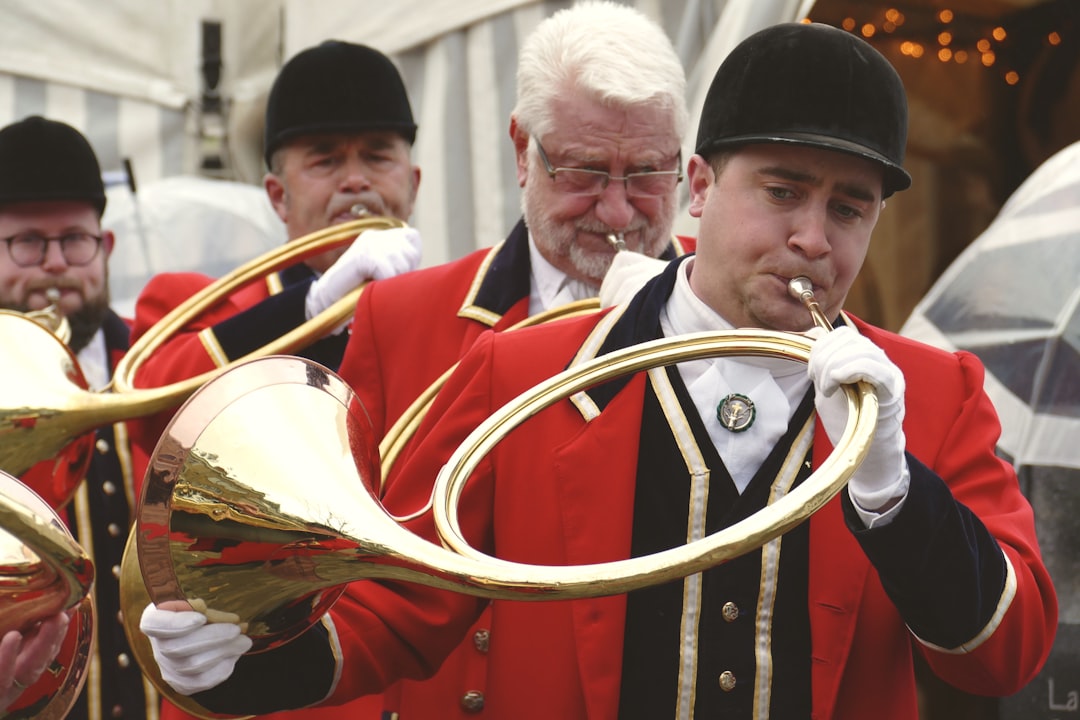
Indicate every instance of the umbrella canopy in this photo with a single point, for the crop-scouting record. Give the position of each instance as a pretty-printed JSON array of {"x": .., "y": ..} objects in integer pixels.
[
  {"x": 1013, "y": 298},
  {"x": 185, "y": 223}
]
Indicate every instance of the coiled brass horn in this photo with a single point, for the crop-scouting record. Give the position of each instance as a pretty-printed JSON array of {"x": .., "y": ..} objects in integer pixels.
[
  {"x": 43, "y": 571},
  {"x": 224, "y": 522},
  {"x": 48, "y": 415}
]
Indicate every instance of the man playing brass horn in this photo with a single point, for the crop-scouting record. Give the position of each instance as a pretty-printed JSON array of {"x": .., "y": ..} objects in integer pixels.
[
  {"x": 930, "y": 548},
  {"x": 338, "y": 139},
  {"x": 600, "y": 116},
  {"x": 51, "y": 201}
]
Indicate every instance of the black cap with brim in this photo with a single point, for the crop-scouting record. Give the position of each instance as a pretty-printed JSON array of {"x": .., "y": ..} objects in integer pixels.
[
  {"x": 336, "y": 87},
  {"x": 812, "y": 85},
  {"x": 43, "y": 160}
]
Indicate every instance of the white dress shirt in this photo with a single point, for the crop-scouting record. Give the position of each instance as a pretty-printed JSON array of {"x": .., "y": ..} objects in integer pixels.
[{"x": 550, "y": 287}]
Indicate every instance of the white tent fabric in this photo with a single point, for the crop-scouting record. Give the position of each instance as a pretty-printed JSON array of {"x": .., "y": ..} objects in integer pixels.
[{"x": 128, "y": 74}]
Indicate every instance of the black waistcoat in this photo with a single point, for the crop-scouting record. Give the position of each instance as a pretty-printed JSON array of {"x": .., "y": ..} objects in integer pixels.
[{"x": 655, "y": 616}]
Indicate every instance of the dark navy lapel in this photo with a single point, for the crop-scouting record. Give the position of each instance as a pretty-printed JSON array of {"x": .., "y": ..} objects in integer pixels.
[
  {"x": 117, "y": 333},
  {"x": 507, "y": 277},
  {"x": 293, "y": 274}
]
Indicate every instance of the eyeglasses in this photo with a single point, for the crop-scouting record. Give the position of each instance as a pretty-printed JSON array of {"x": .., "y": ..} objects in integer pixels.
[
  {"x": 580, "y": 181},
  {"x": 28, "y": 249}
]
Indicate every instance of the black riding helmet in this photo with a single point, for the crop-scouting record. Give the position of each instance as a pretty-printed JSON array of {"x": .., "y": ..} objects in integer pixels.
[
  {"x": 43, "y": 159},
  {"x": 809, "y": 84},
  {"x": 336, "y": 87}
]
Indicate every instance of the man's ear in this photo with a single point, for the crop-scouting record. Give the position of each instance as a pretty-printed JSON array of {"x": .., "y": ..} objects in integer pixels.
[
  {"x": 275, "y": 190},
  {"x": 108, "y": 241},
  {"x": 520, "y": 139},
  {"x": 701, "y": 178}
]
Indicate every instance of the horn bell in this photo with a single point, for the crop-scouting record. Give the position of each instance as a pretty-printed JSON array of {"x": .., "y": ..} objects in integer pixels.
[{"x": 44, "y": 571}]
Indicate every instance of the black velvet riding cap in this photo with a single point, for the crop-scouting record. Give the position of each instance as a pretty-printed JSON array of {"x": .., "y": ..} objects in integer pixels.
[
  {"x": 809, "y": 84},
  {"x": 44, "y": 159},
  {"x": 336, "y": 87}
]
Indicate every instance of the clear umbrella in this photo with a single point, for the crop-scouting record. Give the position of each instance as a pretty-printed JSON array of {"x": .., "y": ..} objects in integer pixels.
[
  {"x": 185, "y": 223},
  {"x": 1013, "y": 299}
]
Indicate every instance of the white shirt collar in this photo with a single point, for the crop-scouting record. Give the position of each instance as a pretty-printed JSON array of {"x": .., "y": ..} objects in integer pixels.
[
  {"x": 550, "y": 287},
  {"x": 94, "y": 361},
  {"x": 776, "y": 386}
]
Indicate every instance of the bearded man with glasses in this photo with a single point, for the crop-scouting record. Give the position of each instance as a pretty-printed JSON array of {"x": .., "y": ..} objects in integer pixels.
[
  {"x": 50, "y": 221},
  {"x": 55, "y": 252}
]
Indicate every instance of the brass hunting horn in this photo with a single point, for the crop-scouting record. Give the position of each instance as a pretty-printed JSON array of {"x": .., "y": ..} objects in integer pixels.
[
  {"x": 43, "y": 571},
  {"x": 224, "y": 522},
  {"x": 47, "y": 414}
]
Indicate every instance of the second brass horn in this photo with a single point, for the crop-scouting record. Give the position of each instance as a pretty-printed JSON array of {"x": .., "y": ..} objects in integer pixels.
[
  {"x": 255, "y": 504},
  {"x": 46, "y": 409}
]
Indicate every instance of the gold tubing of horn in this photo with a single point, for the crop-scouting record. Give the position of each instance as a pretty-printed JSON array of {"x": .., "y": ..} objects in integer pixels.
[
  {"x": 281, "y": 257},
  {"x": 59, "y": 410},
  {"x": 626, "y": 575}
]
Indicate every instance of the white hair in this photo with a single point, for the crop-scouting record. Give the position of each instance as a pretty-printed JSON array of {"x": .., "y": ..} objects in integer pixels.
[{"x": 612, "y": 52}]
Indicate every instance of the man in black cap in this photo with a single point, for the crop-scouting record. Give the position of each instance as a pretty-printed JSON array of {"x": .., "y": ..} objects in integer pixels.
[
  {"x": 51, "y": 201},
  {"x": 338, "y": 140},
  {"x": 930, "y": 548}
]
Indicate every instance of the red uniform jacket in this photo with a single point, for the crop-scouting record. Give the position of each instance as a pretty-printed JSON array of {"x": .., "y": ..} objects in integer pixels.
[{"x": 960, "y": 559}]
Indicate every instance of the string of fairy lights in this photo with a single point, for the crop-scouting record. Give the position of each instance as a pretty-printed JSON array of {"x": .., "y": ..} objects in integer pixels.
[{"x": 950, "y": 37}]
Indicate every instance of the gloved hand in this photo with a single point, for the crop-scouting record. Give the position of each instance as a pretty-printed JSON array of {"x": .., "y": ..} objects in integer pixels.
[
  {"x": 843, "y": 356},
  {"x": 24, "y": 657},
  {"x": 192, "y": 654},
  {"x": 629, "y": 271},
  {"x": 374, "y": 255}
]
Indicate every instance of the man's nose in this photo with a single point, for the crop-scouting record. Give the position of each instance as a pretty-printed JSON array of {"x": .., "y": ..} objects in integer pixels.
[
  {"x": 355, "y": 175},
  {"x": 808, "y": 233},
  {"x": 614, "y": 207},
  {"x": 54, "y": 257}
]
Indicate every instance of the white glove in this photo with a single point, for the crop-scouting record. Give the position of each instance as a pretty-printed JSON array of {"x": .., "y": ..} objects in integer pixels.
[
  {"x": 374, "y": 255},
  {"x": 629, "y": 271},
  {"x": 843, "y": 356},
  {"x": 192, "y": 654}
]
